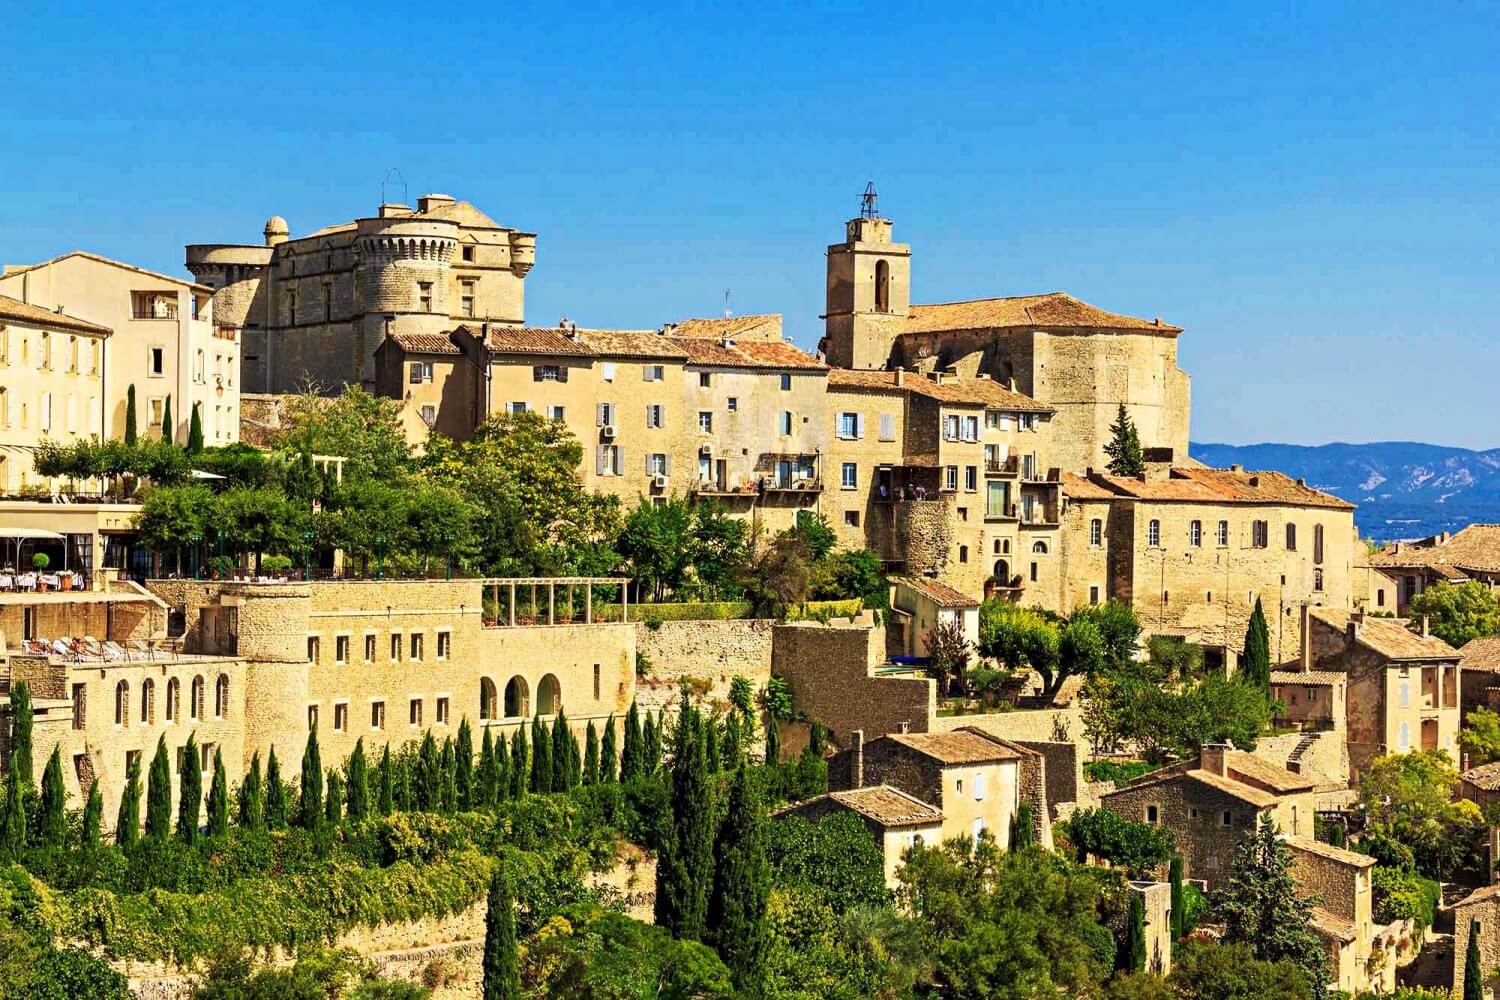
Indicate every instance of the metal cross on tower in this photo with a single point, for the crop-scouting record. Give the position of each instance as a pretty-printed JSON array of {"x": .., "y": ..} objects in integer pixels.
[{"x": 869, "y": 202}]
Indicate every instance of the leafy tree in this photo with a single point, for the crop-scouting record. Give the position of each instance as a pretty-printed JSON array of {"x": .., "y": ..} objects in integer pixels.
[
  {"x": 1409, "y": 798},
  {"x": 310, "y": 791},
  {"x": 1480, "y": 737},
  {"x": 1231, "y": 971},
  {"x": 128, "y": 818},
  {"x": 815, "y": 532},
  {"x": 741, "y": 889},
  {"x": 159, "y": 794},
  {"x": 1124, "y": 447},
  {"x": 1473, "y": 966},
  {"x": 93, "y": 818},
  {"x": 13, "y": 819},
  {"x": 366, "y": 430},
  {"x": 684, "y": 870},
  {"x": 54, "y": 824},
  {"x": 190, "y": 794},
  {"x": 1020, "y": 639},
  {"x": 947, "y": 653},
  {"x": 275, "y": 794},
  {"x": 1261, "y": 905},
  {"x": 1175, "y": 658},
  {"x": 1140, "y": 986},
  {"x": 607, "y": 755},
  {"x": 591, "y": 756},
  {"x": 1080, "y": 652},
  {"x": 656, "y": 540},
  {"x": 21, "y": 721},
  {"x": 1456, "y": 613},
  {"x": 720, "y": 549},
  {"x": 168, "y": 425},
  {"x": 778, "y": 577},
  {"x": 195, "y": 431},
  {"x": 1173, "y": 720},
  {"x": 597, "y": 954},
  {"x": 851, "y": 573},
  {"x": 1139, "y": 848},
  {"x": 132, "y": 422},
  {"x": 251, "y": 798},
  {"x": 463, "y": 768},
  {"x": 359, "y": 783},
  {"x": 502, "y": 957},
  {"x": 834, "y": 860},
  {"x": 1255, "y": 664}
]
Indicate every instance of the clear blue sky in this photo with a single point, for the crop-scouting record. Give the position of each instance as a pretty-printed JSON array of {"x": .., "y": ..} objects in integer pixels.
[{"x": 1311, "y": 191}]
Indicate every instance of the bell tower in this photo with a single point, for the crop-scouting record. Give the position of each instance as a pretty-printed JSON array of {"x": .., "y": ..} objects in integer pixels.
[{"x": 869, "y": 290}]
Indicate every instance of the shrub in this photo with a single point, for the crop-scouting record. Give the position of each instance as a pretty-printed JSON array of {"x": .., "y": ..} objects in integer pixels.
[{"x": 1121, "y": 772}]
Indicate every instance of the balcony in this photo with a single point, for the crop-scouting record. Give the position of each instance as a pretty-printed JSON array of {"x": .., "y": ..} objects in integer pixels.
[
  {"x": 775, "y": 484},
  {"x": 1009, "y": 467}
]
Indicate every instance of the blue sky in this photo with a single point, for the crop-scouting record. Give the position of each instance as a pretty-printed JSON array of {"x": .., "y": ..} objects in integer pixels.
[{"x": 1310, "y": 190}]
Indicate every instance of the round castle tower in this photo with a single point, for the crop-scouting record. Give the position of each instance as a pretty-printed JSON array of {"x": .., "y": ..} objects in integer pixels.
[
  {"x": 236, "y": 274},
  {"x": 403, "y": 261}
]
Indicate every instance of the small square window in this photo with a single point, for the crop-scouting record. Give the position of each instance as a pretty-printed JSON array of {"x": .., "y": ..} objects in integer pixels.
[
  {"x": 733, "y": 404},
  {"x": 705, "y": 380},
  {"x": 469, "y": 253},
  {"x": 851, "y": 518}
]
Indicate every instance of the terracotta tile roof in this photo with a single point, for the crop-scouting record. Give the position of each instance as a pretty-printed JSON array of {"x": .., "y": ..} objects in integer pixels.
[
  {"x": 634, "y": 344},
  {"x": 776, "y": 354},
  {"x": 425, "y": 343},
  {"x": 534, "y": 340},
  {"x": 888, "y": 806},
  {"x": 1254, "y": 770},
  {"x": 1309, "y": 678},
  {"x": 1482, "y": 653},
  {"x": 1249, "y": 779},
  {"x": 1188, "y": 484},
  {"x": 1475, "y": 548},
  {"x": 1262, "y": 486},
  {"x": 765, "y": 325},
  {"x": 1080, "y": 488},
  {"x": 1055, "y": 309},
  {"x": 938, "y": 592},
  {"x": 1330, "y": 925},
  {"x": 1480, "y": 895},
  {"x": 1343, "y": 856},
  {"x": 16, "y": 311},
  {"x": 1485, "y": 777},
  {"x": 101, "y": 259},
  {"x": 962, "y": 746},
  {"x": 1258, "y": 797},
  {"x": 959, "y": 391},
  {"x": 1387, "y": 636}
]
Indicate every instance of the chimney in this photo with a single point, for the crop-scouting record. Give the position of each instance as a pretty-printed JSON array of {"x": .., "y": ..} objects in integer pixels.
[
  {"x": 905, "y": 727},
  {"x": 1301, "y": 481},
  {"x": 1214, "y": 758},
  {"x": 900, "y": 377},
  {"x": 1426, "y": 632},
  {"x": 1255, "y": 482},
  {"x": 1306, "y": 637},
  {"x": 1236, "y": 468},
  {"x": 1012, "y": 383},
  {"x": 857, "y": 759}
]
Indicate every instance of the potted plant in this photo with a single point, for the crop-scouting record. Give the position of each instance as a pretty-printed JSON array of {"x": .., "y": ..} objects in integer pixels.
[
  {"x": 40, "y": 562},
  {"x": 65, "y": 580}
]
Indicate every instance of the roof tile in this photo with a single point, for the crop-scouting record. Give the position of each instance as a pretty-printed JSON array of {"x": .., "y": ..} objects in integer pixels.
[
  {"x": 1387, "y": 636},
  {"x": 1055, "y": 309},
  {"x": 16, "y": 311}
]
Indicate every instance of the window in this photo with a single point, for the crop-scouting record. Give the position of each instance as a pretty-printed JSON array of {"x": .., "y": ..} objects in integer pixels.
[
  {"x": 1034, "y": 570},
  {"x": 1096, "y": 532},
  {"x": 705, "y": 380},
  {"x": 1039, "y": 546},
  {"x": 414, "y": 712},
  {"x": 653, "y": 415},
  {"x": 786, "y": 383},
  {"x": 444, "y": 645},
  {"x": 429, "y": 414},
  {"x": 971, "y": 429},
  {"x": 1291, "y": 537},
  {"x": 1405, "y": 694},
  {"x": 1317, "y": 578},
  {"x": 882, "y": 286},
  {"x": 950, "y": 478},
  {"x": 1153, "y": 814},
  {"x": 421, "y": 371},
  {"x": 377, "y": 715},
  {"x": 556, "y": 412},
  {"x": 657, "y": 464},
  {"x": 195, "y": 705},
  {"x": 122, "y": 703},
  {"x": 1223, "y": 533},
  {"x": 517, "y": 407},
  {"x": 548, "y": 373},
  {"x": 1226, "y": 819},
  {"x": 73, "y": 354},
  {"x": 1195, "y": 534},
  {"x": 851, "y": 518},
  {"x": 416, "y": 647},
  {"x": 291, "y": 305},
  {"x": 442, "y": 711},
  {"x": 705, "y": 421},
  {"x": 950, "y": 428},
  {"x": 1260, "y": 534},
  {"x": 369, "y": 648},
  {"x": 733, "y": 404},
  {"x": 313, "y": 644},
  {"x": 327, "y": 302},
  {"x": 1380, "y": 598},
  {"x": 652, "y": 373},
  {"x": 963, "y": 553},
  {"x": 424, "y": 296},
  {"x": 887, "y": 427},
  {"x": 174, "y": 698},
  {"x": 849, "y": 426},
  {"x": 341, "y": 649},
  {"x": 1153, "y": 533},
  {"x": 608, "y": 461},
  {"x": 80, "y": 705},
  {"x": 468, "y": 250},
  {"x": 395, "y": 647},
  {"x": 786, "y": 421},
  {"x": 979, "y": 787},
  {"x": 1094, "y": 594},
  {"x": 1317, "y": 543},
  {"x": 971, "y": 478},
  {"x": 221, "y": 697},
  {"x": 46, "y": 411},
  {"x": 849, "y": 475},
  {"x": 158, "y": 361},
  {"x": 340, "y": 716},
  {"x": 466, "y": 298},
  {"x": 607, "y": 371},
  {"x": 312, "y": 716}
]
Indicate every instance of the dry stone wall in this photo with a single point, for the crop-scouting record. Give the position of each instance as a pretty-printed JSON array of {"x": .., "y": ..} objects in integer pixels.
[{"x": 707, "y": 654}]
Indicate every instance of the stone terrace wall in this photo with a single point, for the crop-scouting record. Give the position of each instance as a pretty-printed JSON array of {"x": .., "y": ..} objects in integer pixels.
[
  {"x": 1325, "y": 760},
  {"x": 829, "y": 670},
  {"x": 713, "y": 651}
]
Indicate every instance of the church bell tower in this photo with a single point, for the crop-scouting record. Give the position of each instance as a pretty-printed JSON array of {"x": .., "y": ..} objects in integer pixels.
[{"x": 869, "y": 290}]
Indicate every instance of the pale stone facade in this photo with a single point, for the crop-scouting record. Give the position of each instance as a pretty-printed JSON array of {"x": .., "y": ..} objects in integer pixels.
[
  {"x": 1343, "y": 917},
  {"x": 166, "y": 342}
]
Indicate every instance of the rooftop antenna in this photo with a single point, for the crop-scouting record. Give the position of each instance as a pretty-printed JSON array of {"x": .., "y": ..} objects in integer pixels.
[
  {"x": 869, "y": 202},
  {"x": 726, "y": 304},
  {"x": 386, "y": 178}
]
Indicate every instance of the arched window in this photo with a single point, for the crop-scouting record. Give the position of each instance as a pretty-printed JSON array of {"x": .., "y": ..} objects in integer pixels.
[
  {"x": 549, "y": 695},
  {"x": 1153, "y": 532},
  {"x": 487, "y": 703},
  {"x": 882, "y": 286},
  {"x": 221, "y": 697},
  {"x": 174, "y": 699},
  {"x": 1002, "y": 572},
  {"x": 195, "y": 702},
  {"x": 148, "y": 702},
  {"x": 517, "y": 698},
  {"x": 1096, "y": 532},
  {"x": 1039, "y": 546},
  {"x": 122, "y": 703}
]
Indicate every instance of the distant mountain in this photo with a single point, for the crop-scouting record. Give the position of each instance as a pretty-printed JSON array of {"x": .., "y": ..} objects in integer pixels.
[{"x": 1404, "y": 489}]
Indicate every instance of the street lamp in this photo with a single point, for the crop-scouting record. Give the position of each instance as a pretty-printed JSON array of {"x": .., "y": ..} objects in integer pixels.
[
  {"x": 197, "y": 555},
  {"x": 379, "y": 556}
]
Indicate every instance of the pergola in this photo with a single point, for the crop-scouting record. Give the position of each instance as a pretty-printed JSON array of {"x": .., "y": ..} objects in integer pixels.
[{"x": 503, "y": 593}]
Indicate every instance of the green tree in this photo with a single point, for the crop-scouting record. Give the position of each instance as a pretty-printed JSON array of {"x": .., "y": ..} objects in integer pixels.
[
  {"x": 947, "y": 654},
  {"x": 218, "y": 799},
  {"x": 720, "y": 548},
  {"x": 737, "y": 924},
  {"x": 13, "y": 819},
  {"x": 1480, "y": 737},
  {"x": 519, "y": 763},
  {"x": 427, "y": 786},
  {"x": 1473, "y": 966},
  {"x": 463, "y": 766},
  {"x": 816, "y": 533},
  {"x": 657, "y": 541},
  {"x": 1231, "y": 971},
  {"x": 1080, "y": 652},
  {"x": 684, "y": 870},
  {"x": 501, "y": 790},
  {"x": 541, "y": 756},
  {"x": 333, "y": 800},
  {"x": 21, "y": 721},
  {"x": 591, "y": 756},
  {"x": 387, "y": 783},
  {"x": 851, "y": 573},
  {"x": 168, "y": 426},
  {"x": 1261, "y": 905},
  {"x": 310, "y": 791},
  {"x": 777, "y": 579},
  {"x": 190, "y": 794},
  {"x": 195, "y": 431},
  {"x": 1255, "y": 664},
  {"x": 1133, "y": 955},
  {"x": 502, "y": 957},
  {"x": 358, "y": 783},
  {"x": 1022, "y": 835},
  {"x": 564, "y": 748},
  {"x": 132, "y": 422},
  {"x": 630, "y": 753},
  {"x": 1119, "y": 629},
  {"x": 251, "y": 798},
  {"x": 1456, "y": 613},
  {"x": 1139, "y": 848},
  {"x": 1179, "y": 903},
  {"x": 275, "y": 794},
  {"x": 486, "y": 780},
  {"x": 128, "y": 818},
  {"x": 1124, "y": 447},
  {"x": 93, "y": 818},
  {"x": 448, "y": 782},
  {"x": 159, "y": 794},
  {"x": 54, "y": 824},
  {"x": 651, "y": 743},
  {"x": 365, "y": 429},
  {"x": 607, "y": 755}
]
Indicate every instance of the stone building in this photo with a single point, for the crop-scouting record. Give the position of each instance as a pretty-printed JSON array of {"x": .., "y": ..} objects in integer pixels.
[
  {"x": 1470, "y": 554},
  {"x": 1211, "y": 803},
  {"x": 898, "y": 821},
  {"x": 925, "y": 604},
  {"x": 1402, "y": 685},
  {"x": 1480, "y": 785},
  {"x": 1343, "y": 917},
  {"x": 1479, "y": 674},
  {"x": 166, "y": 342},
  {"x": 53, "y": 386},
  {"x": 1481, "y": 906},
  {"x": 314, "y": 308}
]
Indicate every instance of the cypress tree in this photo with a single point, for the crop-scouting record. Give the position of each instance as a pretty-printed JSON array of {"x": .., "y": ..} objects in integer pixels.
[
  {"x": 591, "y": 756},
  {"x": 741, "y": 889},
  {"x": 1473, "y": 966},
  {"x": 333, "y": 802},
  {"x": 502, "y": 772},
  {"x": 387, "y": 797},
  {"x": 93, "y": 818},
  {"x": 463, "y": 766},
  {"x": 485, "y": 780},
  {"x": 630, "y": 750},
  {"x": 541, "y": 757},
  {"x": 651, "y": 745},
  {"x": 1132, "y": 957},
  {"x": 159, "y": 794},
  {"x": 310, "y": 791},
  {"x": 448, "y": 784},
  {"x": 519, "y": 762},
  {"x": 1178, "y": 901},
  {"x": 359, "y": 783},
  {"x": 1124, "y": 447},
  {"x": 190, "y": 794},
  {"x": 128, "y": 817},
  {"x": 53, "y": 830},
  {"x": 562, "y": 747},
  {"x": 427, "y": 789},
  {"x": 502, "y": 957},
  {"x": 607, "y": 756},
  {"x": 403, "y": 775},
  {"x": 195, "y": 432},
  {"x": 168, "y": 431},
  {"x": 1021, "y": 833},
  {"x": 684, "y": 871},
  {"x": 1255, "y": 668},
  {"x": 130, "y": 432},
  {"x": 218, "y": 799},
  {"x": 13, "y": 820},
  {"x": 773, "y": 740},
  {"x": 252, "y": 798},
  {"x": 710, "y": 737},
  {"x": 730, "y": 744},
  {"x": 275, "y": 794},
  {"x": 20, "y": 732}
]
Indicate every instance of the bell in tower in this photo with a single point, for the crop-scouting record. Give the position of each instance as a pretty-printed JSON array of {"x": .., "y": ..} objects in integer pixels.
[{"x": 869, "y": 289}]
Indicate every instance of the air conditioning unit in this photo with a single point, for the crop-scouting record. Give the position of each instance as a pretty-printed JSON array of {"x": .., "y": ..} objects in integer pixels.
[
  {"x": 707, "y": 448},
  {"x": 608, "y": 432},
  {"x": 659, "y": 480}
]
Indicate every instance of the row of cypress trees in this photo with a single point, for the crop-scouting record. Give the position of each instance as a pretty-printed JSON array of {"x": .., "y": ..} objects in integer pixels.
[{"x": 168, "y": 426}]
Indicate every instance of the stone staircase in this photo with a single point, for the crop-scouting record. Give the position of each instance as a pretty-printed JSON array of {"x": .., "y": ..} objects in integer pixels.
[{"x": 1294, "y": 759}]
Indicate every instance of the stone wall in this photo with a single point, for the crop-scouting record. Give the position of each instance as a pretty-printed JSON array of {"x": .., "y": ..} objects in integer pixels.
[
  {"x": 830, "y": 670},
  {"x": 713, "y": 651},
  {"x": 1040, "y": 724},
  {"x": 924, "y": 535},
  {"x": 1325, "y": 758}
]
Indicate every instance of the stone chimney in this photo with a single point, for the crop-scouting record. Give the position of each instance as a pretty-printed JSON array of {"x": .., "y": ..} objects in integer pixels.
[
  {"x": 857, "y": 759},
  {"x": 1214, "y": 758},
  {"x": 1236, "y": 468},
  {"x": 905, "y": 727},
  {"x": 1426, "y": 630},
  {"x": 900, "y": 377}
]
